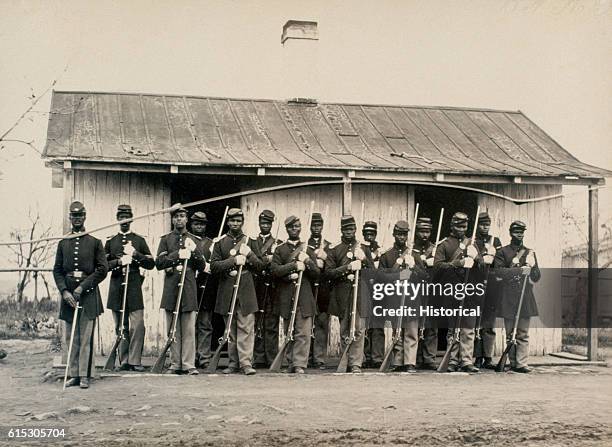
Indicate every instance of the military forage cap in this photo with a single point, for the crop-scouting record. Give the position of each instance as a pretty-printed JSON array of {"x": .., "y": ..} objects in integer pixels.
[
  {"x": 124, "y": 209},
  {"x": 267, "y": 216},
  {"x": 459, "y": 218},
  {"x": 199, "y": 216},
  {"x": 347, "y": 221},
  {"x": 316, "y": 218},
  {"x": 234, "y": 212},
  {"x": 180, "y": 209},
  {"x": 423, "y": 223},
  {"x": 484, "y": 217},
  {"x": 77, "y": 207},
  {"x": 370, "y": 226},
  {"x": 291, "y": 220},
  {"x": 401, "y": 226},
  {"x": 518, "y": 225}
]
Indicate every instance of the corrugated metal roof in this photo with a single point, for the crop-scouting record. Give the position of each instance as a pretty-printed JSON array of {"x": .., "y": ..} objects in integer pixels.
[{"x": 142, "y": 128}]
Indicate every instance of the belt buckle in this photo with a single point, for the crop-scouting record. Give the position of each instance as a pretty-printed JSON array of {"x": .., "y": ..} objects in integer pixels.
[{"x": 77, "y": 274}]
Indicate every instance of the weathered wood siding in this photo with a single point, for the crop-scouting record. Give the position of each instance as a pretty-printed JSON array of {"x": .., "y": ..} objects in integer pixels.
[{"x": 101, "y": 192}]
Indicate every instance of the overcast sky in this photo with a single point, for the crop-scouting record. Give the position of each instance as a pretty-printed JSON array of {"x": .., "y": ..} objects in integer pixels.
[{"x": 550, "y": 59}]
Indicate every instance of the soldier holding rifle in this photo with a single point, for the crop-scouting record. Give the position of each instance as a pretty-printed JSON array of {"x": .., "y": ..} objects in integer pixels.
[
  {"x": 231, "y": 252},
  {"x": 176, "y": 250},
  {"x": 80, "y": 265},
  {"x": 128, "y": 250}
]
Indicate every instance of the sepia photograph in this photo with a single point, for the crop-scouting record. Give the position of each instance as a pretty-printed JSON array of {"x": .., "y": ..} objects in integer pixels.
[{"x": 240, "y": 223}]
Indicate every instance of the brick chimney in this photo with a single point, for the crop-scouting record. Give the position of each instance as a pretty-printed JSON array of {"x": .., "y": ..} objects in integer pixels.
[{"x": 301, "y": 60}]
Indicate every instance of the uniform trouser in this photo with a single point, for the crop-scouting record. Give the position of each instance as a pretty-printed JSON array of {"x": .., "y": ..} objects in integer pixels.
[
  {"x": 182, "y": 351},
  {"x": 297, "y": 353},
  {"x": 266, "y": 346},
  {"x": 130, "y": 348},
  {"x": 485, "y": 346},
  {"x": 319, "y": 344},
  {"x": 355, "y": 352},
  {"x": 462, "y": 353},
  {"x": 204, "y": 331},
  {"x": 374, "y": 345},
  {"x": 405, "y": 351},
  {"x": 428, "y": 347},
  {"x": 81, "y": 345},
  {"x": 518, "y": 356},
  {"x": 241, "y": 338}
]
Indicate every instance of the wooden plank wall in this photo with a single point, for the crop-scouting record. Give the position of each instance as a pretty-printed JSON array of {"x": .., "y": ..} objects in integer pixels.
[
  {"x": 544, "y": 235},
  {"x": 101, "y": 192}
]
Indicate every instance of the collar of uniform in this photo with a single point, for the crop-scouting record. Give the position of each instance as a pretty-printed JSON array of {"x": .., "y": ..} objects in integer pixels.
[
  {"x": 485, "y": 238},
  {"x": 265, "y": 236},
  {"x": 180, "y": 233},
  {"x": 420, "y": 245},
  {"x": 295, "y": 243},
  {"x": 349, "y": 241},
  {"x": 316, "y": 240},
  {"x": 78, "y": 232},
  {"x": 399, "y": 247},
  {"x": 239, "y": 236},
  {"x": 516, "y": 247},
  {"x": 126, "y": 233}
]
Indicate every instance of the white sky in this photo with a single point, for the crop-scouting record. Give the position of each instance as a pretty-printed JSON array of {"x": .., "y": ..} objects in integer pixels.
[{"x": 550, "y": 59}]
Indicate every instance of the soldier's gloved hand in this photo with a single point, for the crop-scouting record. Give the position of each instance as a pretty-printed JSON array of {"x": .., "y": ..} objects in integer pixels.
[
  {"x": 76, "y": 293},
  {"x": 240, "y": 260},
  {"x": 359, "y": 254},
  {"x": 244, "y": 250},
  {"x": 128, "y": 249},
  {"x": 468, "y": 262},
  {"x": 184, "y": 253},
  {"x": 321, "y": 254},
  {"x": 207, "y": 268},
  {"x": 525, "y": 270},
  {"x": 67, "y": 296},
  {"x": 125, "y": 260},
  {"x": 472, "y": 252},
  {"x": 269, "y": 258},
  {"x": 488, "y": 259},
  {"x": 530, "y": 260},
  {"x": 491, "y": 250},
  {"x": 355, "y": 265},
  {"x": 300, "y": 266},
  {"x": 429, "y": 262},
  {"x": 302, "y": 257},
  {"x": 320, "y": 263},
  {"x": 293, "y": 276},
  {"x": 409, "y": 261}
]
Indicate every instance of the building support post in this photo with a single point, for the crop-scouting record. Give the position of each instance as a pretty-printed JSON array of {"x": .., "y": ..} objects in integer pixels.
[
  {"x": 593, "y": 277},
  {"x": 347, "y": 196}
]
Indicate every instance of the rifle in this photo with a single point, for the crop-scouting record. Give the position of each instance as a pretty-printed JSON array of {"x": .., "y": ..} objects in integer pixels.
[
  {"x": 501, "y": 365},
  {"x": 278, "y": 360},
  {"x": 75, "y": 320},
  {"x": 343, "y": 365},
  {"x": 158, "y": 367},
  {"x": 214, "y": 362},
  {"x": 260, "y": 316},
  {"x": 433, "y": 254},
  {"x": 112, "y": 356},
  {"x": 318, "y": 283},
  {"x": 397, "y": 333},
  {"x": 443, "y": 367}
]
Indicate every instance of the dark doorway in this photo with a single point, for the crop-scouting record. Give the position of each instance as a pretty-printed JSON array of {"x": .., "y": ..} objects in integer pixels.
[{"x": 431, "y": 200}]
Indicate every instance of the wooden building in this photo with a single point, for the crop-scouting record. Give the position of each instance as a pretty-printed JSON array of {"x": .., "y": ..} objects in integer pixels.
[{"x": 155, "y": 150}]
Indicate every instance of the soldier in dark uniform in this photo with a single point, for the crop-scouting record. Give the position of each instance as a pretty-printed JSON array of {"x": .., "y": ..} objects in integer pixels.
[
  {"x": 232, "y": 251},
  {"x": 266, "y": 321},
  {"x": 487, "y": 246},
  {"x": 290, "y": 258},
  {"x": 423, "y": 257},
  {"x": 374, "y": 343},
  {"x": 454, "y": 255},
  {"x": 80, "y": 265},
  {"x": 512, "y": 263},
  {"x": 204, "y": 319},
  {"x": 321, "y": 291},
  {"x": 343, "y": 260},
  {"x": 174, "y": 248},
  {"x": 126, "y": 250}
]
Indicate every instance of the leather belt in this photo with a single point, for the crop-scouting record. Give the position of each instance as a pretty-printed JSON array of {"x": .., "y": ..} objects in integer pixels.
[{"x": 75, "y": 274}]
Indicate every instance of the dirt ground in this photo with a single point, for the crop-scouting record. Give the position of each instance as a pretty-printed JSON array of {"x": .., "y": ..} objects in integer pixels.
[{"x": 553, "y": 406}]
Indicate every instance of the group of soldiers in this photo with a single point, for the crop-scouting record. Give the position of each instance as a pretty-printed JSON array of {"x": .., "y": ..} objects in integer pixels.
[{"x": 321, "y": 276}]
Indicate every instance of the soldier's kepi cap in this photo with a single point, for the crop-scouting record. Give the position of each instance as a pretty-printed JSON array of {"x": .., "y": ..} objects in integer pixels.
[
  {"x": 266, "y": 216},
  {"x": 180, "y": 209},
  {"x": 76, "y": 207},
  {"x": 401, "y": 226},
  {"x": 459, "y": 218},
  {"x": 370, "y": 226},
  {"x": 423, "y": 223},
  {"x": 124, "y": 209},
  {"x": 484, "y": 217},
  {"x": 518, "y": 225},
  {"x": 234, "y": 212},
  {"x": 316, "y": 218},
  {"x": 291, "y": 220},
  {"x": 347, "y": 221},
  {"x": 199, "y": 216}
]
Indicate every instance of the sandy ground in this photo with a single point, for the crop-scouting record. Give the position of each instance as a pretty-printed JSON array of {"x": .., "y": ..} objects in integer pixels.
[{"x": 553, "y": 406}]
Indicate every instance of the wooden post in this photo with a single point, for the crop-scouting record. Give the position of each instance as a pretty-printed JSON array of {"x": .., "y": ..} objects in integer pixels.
[
  {"x": 347, "y": 196},
  {"x": 593, "y": 277}
]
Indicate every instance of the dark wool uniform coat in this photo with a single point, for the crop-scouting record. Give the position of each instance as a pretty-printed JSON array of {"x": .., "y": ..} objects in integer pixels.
[
  {"x": 168, "y": 260},
  {"x": 323, "y": 291},
  {"x": 512, "y": 282},
  {"x": 203, "y": 279},
  {"x": 223, "y": 262},
  {"x": 493, "y": 292},
  {"x": 283, "y": 265},
  {"x": 141, "y": 258},
  {"x": 264, "y": 247},
  {"x": 449, "y": 250},
  {"x": 337, "y": 270},
  {"x": 80, "y": 261}
]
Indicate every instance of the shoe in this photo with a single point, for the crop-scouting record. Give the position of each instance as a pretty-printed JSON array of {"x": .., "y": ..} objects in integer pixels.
[
  {"x": 138, "y": 368},
  {"x": 469, "y": 369},
  {"x": 356, "y": 369},
  {"x": 249, "y": 371},
  {"x": 74, "y": 381},
  {"x": 428, "y": 367},
  {"x": 451, "y": 368},
  {"x": 230, "y": 370},
  {"x": 521, "y": 369},
  {"x": 298, "y": 370},
  {"x": 398, "y": 369},
  {"x": 488, "y": 363},
  {"x": 125, "y": 367},
  {"x": 319, "y": 365},
  {"x": 479, "y": 362},
  {"x": 260, "y": 365},
  {"x": 193, "y": 372},
  {"x": 410, "y": 368},
  {"x": 202, "y": 364},
  {"x": 376, "y": 365},
  {"x": 84, "y": 383}
]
